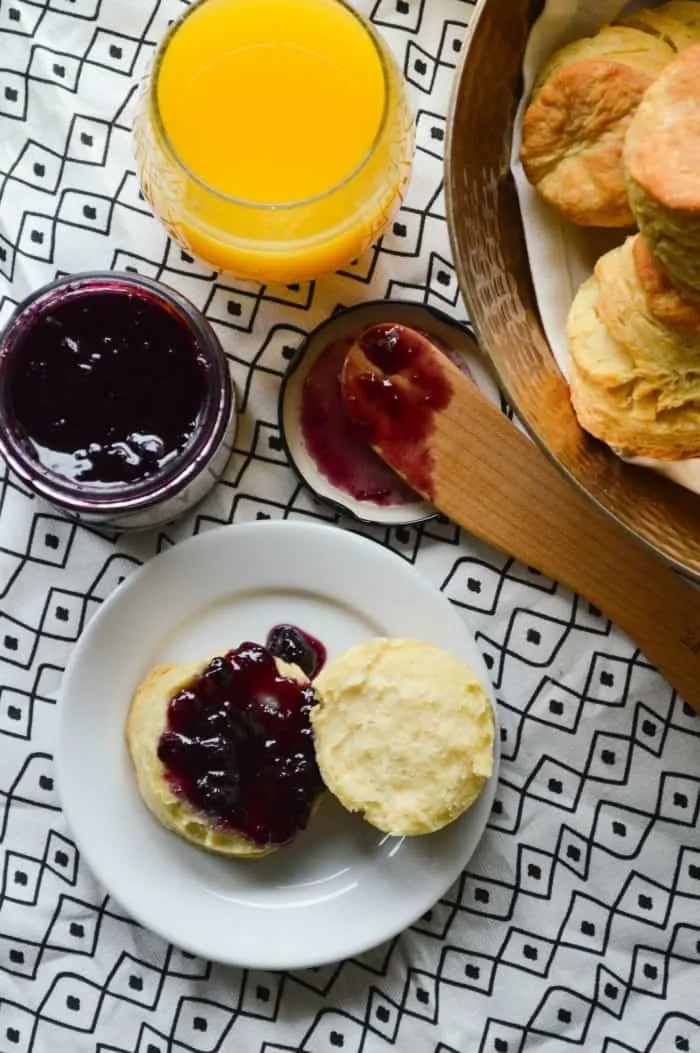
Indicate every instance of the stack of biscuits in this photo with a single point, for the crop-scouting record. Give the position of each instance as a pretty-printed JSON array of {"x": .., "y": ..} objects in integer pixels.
[{"x": 605, "y": 149}]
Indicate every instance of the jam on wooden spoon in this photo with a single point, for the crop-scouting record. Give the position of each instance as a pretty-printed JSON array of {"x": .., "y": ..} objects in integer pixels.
[{"x": 393, "y": 384}]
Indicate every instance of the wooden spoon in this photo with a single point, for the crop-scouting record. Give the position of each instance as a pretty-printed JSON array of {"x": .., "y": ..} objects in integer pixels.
[{"x": 433, "y": 426}]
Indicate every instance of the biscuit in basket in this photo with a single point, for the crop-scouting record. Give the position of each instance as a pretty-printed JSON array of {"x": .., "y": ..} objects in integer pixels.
[
  {"x": 662, "y": 169},
  {"x": 632, "y": 46},
  {"x": 575, "y": 125},
  {"x": 665, "y": 301},
  {"x": 404, "y": 734},
  {"x": 676, "y": 22},
  {"x": 147, "y": 720},
  {"x": 657, "y": 347},
  {"x": 634, "y": 380}
]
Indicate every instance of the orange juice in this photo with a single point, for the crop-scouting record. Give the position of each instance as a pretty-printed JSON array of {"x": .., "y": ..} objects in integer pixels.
[
  {"x": 275, "y": 137},
  {"x": 286, "y": 109}
]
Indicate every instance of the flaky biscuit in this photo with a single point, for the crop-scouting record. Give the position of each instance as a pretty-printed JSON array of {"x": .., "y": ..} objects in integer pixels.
[
  {"x": 404, "y": 734},
  {"x": 146, "y": 721},
  {"x": 662, "y": 168},
  {"x": 676, "y": 23},
  {"x": 664, "y": 300},
  {"x": 656, "y": 347},
  {"x": 618, "y": 43},
  {"x": 635, "y": 382},
  {"x": 573, "y": 136}
]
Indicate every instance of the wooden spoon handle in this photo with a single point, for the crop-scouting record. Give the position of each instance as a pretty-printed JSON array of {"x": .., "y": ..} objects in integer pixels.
[
  {"x": 493, "y": 481},
  {"x": 514, "y": 498}
]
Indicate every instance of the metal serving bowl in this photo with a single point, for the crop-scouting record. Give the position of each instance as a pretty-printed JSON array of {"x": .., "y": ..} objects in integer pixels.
[{"x": 492, "y": 266}]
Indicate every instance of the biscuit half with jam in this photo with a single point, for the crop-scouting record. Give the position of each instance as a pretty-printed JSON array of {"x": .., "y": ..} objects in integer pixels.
[{"x": 223, "y": 751}]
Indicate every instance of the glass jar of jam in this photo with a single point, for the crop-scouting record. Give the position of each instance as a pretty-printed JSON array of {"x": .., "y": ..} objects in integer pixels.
[{"x": 116, "y": 402}]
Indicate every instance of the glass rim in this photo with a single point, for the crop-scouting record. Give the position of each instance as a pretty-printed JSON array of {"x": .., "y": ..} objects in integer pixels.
[{"x": 154, "y": 107}]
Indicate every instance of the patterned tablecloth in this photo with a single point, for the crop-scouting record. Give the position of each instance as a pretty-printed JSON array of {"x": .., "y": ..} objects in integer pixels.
[{"x": 578, "y": 920}]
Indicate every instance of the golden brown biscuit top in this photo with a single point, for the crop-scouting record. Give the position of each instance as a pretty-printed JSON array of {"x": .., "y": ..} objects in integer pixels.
[
  {"x": 573, "y": 136},
  {"x": 662, "y": 151},
  {"x": 665, "y": 301}
]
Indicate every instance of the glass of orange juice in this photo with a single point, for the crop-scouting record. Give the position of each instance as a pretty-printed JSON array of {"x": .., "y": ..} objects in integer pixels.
[{"x": 274, "y": 138}]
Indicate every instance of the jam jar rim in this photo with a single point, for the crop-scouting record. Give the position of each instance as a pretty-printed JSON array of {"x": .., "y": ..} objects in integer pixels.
[{"x": 218, "y": 404}]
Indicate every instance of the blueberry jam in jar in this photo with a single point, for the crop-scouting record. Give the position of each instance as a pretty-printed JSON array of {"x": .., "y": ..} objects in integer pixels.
[
  {"x": 106, "y": 388},
  {"x": 115, "y": 399},
  {"x": 239, "y": 748}
]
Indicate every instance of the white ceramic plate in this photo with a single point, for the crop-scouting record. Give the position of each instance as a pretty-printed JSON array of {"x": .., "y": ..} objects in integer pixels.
[{"x": 342, "y": 887}]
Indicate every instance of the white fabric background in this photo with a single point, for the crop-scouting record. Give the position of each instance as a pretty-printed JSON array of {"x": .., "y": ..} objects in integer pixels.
[{"x": 578, "y": 921}]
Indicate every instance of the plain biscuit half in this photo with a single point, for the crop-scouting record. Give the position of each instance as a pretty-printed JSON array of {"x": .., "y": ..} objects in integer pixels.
[{"x": 404, "y": 734}]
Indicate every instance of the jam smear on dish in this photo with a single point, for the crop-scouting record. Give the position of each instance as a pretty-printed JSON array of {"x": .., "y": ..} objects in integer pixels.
[
  {"x": 106, "y": 387},
  {"x": 239, "y": 747},
  {"x": 394, "y": 408},
  {"x": 292, "y": 644},
  {"x": 338, "y": 447},
  {"x": 339, "y": 452}
]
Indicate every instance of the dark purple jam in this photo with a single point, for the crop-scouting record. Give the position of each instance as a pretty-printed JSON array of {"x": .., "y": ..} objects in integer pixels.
[
  {"x": 239, "y": 747},
  {"x": 334, "y": 441},
  {"x": 106, "y": 387},
  {"x": 394, "y": 407},
  {"x": 339, "y": 451},
  {"x": 292, "y": 644}
]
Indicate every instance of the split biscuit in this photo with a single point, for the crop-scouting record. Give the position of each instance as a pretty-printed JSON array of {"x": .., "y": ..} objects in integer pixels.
[{"x": 404, "y": 734}]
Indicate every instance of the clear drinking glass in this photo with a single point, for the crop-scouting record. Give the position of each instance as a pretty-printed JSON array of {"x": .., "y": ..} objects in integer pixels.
[{"x": 285, "y": 240}]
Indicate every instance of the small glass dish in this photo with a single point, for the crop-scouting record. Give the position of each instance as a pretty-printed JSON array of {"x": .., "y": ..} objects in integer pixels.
[
  {"x": 169, "y": 480},
  {"x": 341, "y": 484}
]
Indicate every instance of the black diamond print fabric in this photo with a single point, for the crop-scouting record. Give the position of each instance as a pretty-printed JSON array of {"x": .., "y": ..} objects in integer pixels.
[{"x": 577, "y": 923}]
